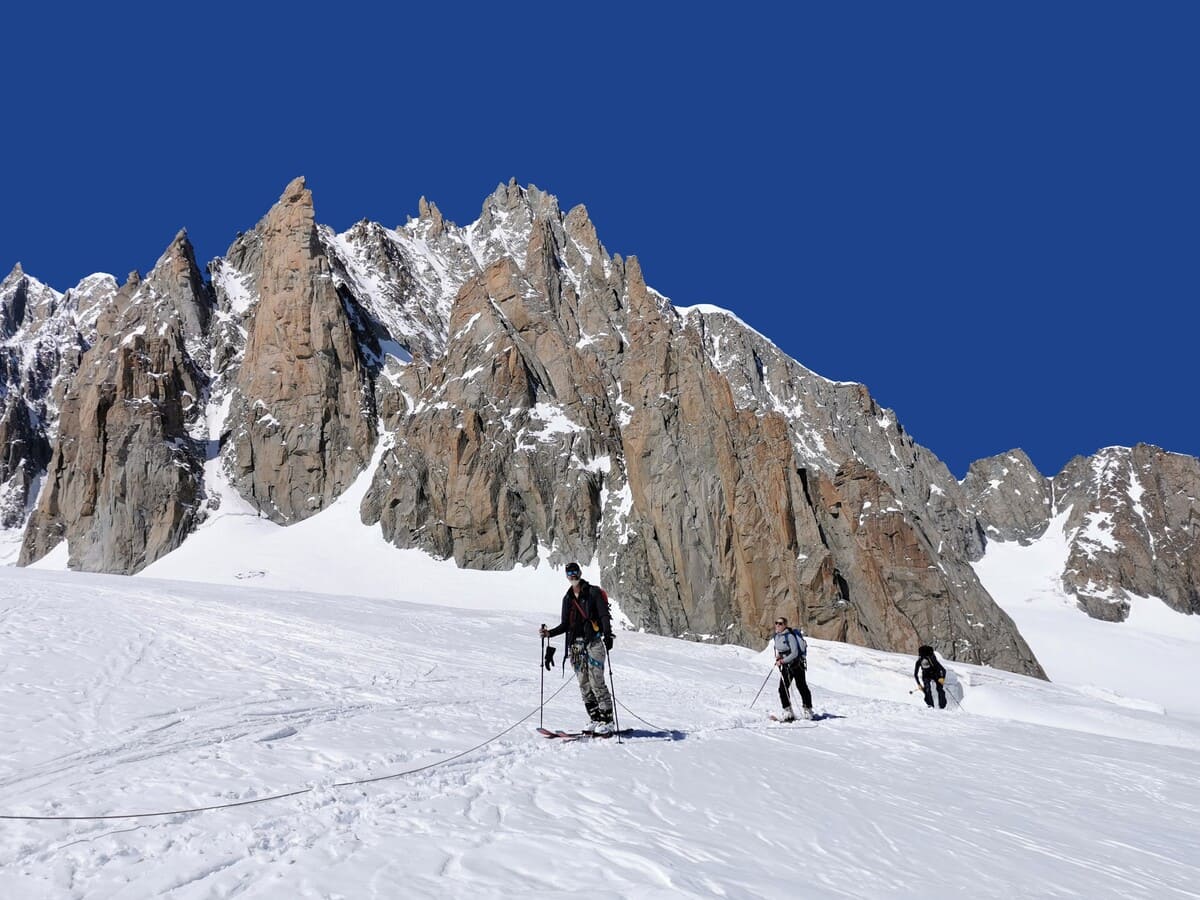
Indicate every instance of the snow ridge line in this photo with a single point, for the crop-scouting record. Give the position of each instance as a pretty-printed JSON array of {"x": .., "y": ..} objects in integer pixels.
[{"x": 296, "y": 793}]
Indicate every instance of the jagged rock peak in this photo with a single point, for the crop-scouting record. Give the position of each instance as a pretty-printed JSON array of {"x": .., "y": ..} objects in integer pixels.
[
  {"x": 18, "y": 277},
  {"x": 427, "y": 209},
  {"x": 1011, "y": 498},
  {"x": 511, "y": 197},
  {"x": 427, "y": 212},
  {"x": 133, "y": 279},
  {"x": 581, "y": 230},
  {"x": 295, "y": 189},
  {"x": 301, "y": 425},
  {"x": 179, "y": 248}
]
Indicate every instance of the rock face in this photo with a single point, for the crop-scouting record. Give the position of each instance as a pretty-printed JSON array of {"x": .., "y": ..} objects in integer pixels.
[
  {"x": 1130, "y": 516},
  {"x": 1010, "y": 496},
  {"x": 575, "y": 409},
  {"x": 123, "y": 483},
  {"x": 301, "y": 421},
  {"x": 1135, "y": 529},
  {"x": 517, "y": 395},
  {"x": 25, "y": 377},
  {"x": 43, "y": 335}
]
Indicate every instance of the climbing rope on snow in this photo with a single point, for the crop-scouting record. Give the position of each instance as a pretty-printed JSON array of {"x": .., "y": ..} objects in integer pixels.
[
  {"x": 639, "y": 718},
  {"x": 284, "y": 795}
]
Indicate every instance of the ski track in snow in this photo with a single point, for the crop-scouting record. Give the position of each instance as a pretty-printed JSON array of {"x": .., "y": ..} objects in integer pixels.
[{"x": 140, "y": 695}]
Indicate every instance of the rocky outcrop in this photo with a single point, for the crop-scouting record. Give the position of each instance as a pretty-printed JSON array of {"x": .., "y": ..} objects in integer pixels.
[
  {"x": 575, "y": 409},
  {"x": 26, "y": 449},
  {"x": 1011, "y": 498},
  {"x": 41, "y": 342},
  {"x": 894, "y": 589},
  {"x": 1130, "y": 518},
  {"x": 492, "y": 459},
  {"x": 301, "y": 423},
  {"x": 1133, "y": 529},
  {"x": 123, "y": 483},
  {"x": 717, "y": 515},
  {"x": 26, "y": 452}
]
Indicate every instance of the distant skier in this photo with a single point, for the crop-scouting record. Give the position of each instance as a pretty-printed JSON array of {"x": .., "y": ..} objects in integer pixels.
[
  {"x": 586, "y": 621},
  {"x": 929, "y": 671},
  {"x": 790, "y": 652}
]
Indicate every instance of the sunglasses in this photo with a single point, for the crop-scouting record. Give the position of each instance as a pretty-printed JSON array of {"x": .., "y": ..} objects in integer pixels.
[
  {"x": 572, "y": 575},
  {"x": 779, "y": 622}
]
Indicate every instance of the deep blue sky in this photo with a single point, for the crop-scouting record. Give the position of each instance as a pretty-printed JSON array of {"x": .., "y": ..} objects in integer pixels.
[{"x": 988, "y": 215}]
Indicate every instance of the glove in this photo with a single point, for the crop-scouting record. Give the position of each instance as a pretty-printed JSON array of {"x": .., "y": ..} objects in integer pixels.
[
  {"x": 941, "y": 681},
  {"x": 608, "y": 642},
  {"x": 549, "y": 658}
]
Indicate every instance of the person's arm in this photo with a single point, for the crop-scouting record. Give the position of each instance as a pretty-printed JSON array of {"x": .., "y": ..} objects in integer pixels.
[
  {"x": 916, "y": 670},
  {"x": 605, "y": 618}
]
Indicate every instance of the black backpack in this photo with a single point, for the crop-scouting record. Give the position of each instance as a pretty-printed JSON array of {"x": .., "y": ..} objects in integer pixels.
[{"x": 930, "y": 662}]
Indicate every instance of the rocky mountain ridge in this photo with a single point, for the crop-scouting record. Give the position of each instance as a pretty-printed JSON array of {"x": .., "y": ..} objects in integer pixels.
[
  {"x": 525, "y": 394},
  {"x": 1131, "y": 516}
]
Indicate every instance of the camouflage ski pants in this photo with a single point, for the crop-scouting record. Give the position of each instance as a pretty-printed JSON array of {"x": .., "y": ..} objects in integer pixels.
[{"x": 588, "y": 663}]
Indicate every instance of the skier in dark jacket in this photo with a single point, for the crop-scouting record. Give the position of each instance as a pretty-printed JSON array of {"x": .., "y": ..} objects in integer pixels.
[
  {"x": 928, "y": 671},
  {"x": 586, "y": 622}
]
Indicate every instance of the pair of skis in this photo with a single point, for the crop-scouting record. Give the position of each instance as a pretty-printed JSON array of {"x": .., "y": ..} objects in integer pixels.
[{"x": 581, "y": 735}]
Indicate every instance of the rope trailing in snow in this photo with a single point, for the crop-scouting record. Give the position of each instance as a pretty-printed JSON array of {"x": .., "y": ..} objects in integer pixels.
[
  {"x": 639, "y": 718},
  {"x": 286, "y": 794}
]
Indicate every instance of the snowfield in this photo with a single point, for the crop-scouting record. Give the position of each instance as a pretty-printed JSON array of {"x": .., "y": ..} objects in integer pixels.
[
  {"x": 1151, "y": 659},
  {"x": 137, "y": 695}
]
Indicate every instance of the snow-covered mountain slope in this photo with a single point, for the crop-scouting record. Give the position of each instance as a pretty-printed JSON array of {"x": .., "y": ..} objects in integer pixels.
[
  {"x": 1151, "y": 656},
  {"x": 1130, "y": 517},
  {"x": 1142, "y": 662},
  {"x": 137, "y": 695},
  {"x": 334, "y": 552}
]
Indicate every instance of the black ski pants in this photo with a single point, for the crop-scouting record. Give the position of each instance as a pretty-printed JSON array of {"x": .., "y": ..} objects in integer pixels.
[
  {"x": 931, "y": 680},
  {"x": 794, "y": 672}
]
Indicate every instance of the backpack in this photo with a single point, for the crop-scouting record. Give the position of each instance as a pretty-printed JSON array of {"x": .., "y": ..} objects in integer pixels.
[
  {"x": 929, "y": 662},
  {"x": 803, "y": 644}
]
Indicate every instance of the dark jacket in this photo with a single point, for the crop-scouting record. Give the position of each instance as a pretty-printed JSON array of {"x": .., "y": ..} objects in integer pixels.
[
  {"x": 594, "y": 621},
  {"x": 928, "y": 667}
]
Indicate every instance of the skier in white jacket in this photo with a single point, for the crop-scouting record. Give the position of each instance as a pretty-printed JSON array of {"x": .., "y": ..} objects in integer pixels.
[{"x": 790, "y": 651}]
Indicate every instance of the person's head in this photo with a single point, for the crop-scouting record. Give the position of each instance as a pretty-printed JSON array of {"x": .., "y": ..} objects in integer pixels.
[
  {"x": 780, "y": 622},
  {"x": 574, "y": 573},
  {"x": 925, "y": 650}
]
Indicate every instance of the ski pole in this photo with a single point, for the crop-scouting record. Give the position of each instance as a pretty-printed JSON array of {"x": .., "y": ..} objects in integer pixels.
[
  {"x": 613, "y": 681},
  {"x": 760, "y": 689},
  {"x": 542, "y": 669}
]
